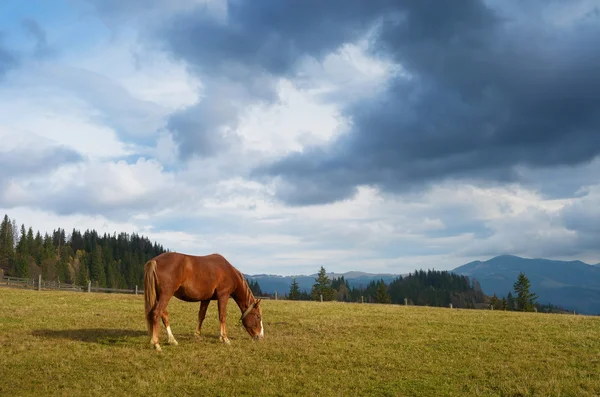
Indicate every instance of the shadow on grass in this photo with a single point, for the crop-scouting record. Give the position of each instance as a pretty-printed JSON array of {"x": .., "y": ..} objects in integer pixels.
[{"x": 101, "y": 336}]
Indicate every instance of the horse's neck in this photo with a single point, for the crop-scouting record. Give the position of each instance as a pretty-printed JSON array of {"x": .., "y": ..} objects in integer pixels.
[{"x": 243, "y": 296}]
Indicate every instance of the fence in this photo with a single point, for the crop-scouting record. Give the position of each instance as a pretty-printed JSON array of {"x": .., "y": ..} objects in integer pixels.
[{"x": 39, "y": 284}]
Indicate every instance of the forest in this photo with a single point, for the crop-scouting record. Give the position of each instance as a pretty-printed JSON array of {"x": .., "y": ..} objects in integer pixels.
[{"x": 114, "y": 261}]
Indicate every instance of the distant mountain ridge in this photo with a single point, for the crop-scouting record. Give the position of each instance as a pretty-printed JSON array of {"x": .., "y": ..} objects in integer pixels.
[
  {"x": 574, "y": 285},
  {"x": 270, "y": 283}
]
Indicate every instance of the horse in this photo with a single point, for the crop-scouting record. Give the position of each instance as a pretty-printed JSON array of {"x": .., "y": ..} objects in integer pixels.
[{"x": 197, "y": 279}]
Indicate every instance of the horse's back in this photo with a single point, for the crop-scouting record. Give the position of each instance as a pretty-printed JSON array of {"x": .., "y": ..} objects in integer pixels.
[{"x": 195, "y": 277}]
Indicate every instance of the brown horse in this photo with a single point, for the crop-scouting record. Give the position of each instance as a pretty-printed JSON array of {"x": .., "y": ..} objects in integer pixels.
[{"x": 197, "y": 279}]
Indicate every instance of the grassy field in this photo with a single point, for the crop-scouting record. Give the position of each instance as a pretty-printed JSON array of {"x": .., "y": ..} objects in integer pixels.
[{"x": 72, "y": 344}]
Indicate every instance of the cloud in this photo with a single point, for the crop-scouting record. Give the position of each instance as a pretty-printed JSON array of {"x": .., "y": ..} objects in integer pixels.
[
  {"x": 250, "y": 49},
  {"x": 35, "y": 30},
  {"x": 115, "y": 189},
  {"x": 476, "y": 101},
  {"x": 24, "y": 156},
  {"x": 7, "y": 59},
  {"x": 128, "y": 116}
]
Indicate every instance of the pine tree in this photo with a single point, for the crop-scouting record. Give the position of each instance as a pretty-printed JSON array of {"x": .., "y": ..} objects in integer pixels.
[
  {"x": 21, "y": 266},
  {"x": 382, "y": 295},
  {"x": 97, "y": 273},
  {"x": 322, "y": 286},
  {"x": 7, "y": 246},
  {"x": 254, "y": 287},
  {"x": 22, "y": 244},
  {"x": 83, "y": 273},
  {"x": 525, "y": 300},
  {"x": 510, "y": 302},
  {"x": 30, "y": 241},
  {"x": 494, "y": 302},
  {"x": 294, "y": 291}
]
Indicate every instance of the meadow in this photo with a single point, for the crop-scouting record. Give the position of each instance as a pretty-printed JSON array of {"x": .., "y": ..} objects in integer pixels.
[{"x": 71, "y": 344}]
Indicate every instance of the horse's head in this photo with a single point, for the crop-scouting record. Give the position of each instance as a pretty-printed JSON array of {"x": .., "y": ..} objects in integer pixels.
[{"x": 252, "y": 320}]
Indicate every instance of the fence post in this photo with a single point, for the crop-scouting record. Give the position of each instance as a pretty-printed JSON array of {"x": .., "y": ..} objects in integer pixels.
[
  {"x": 275, "y": 295},
  {"x": 39, "y": 282},
  {"x": 405, "y": 302},
  {"x": 58, "y": 281},
  {"x": 362, "y": 299},
  {"x": 136, "y": 289},
  {"x": 451, "y": 306},
  {"x": 321, "y": 297},
  {"x": 89, "y": 285}
]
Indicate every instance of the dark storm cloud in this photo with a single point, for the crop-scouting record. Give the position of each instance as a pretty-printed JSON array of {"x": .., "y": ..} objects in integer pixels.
[
  {"x": 484, "y": 93},
  {"x": 483, "y": 96},
  {"x": 256, "y": 43},
  {"x": 268, "y": 35}
]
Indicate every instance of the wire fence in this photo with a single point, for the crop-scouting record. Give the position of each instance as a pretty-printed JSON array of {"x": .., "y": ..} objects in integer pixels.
[{"x": 39, "y": 284}]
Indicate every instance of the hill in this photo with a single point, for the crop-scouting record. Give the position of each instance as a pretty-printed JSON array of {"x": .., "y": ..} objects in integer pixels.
[{"x": 574, "y": 285}]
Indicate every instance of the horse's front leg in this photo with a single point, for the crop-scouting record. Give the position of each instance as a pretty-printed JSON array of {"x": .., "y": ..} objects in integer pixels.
[
  {"x": 201, "y": 315},
  {"x": 222, "y": 303}
]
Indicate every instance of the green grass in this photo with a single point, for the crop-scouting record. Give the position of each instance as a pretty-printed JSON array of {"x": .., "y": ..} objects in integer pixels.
[{"x": 71, "y": 344}]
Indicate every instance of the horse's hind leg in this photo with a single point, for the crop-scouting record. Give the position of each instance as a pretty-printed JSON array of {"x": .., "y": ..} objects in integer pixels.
[
  {"x": 165, "y": 320},
  {"x": 157, "y": 313},
  {"x": 201, "y": 315}
]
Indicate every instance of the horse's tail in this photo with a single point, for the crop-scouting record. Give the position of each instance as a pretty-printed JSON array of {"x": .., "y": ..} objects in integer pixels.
[{"x": 149, "y": 290}]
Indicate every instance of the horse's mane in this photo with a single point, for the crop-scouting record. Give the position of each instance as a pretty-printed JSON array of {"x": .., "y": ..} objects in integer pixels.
[{"x": 249, "y": 294}]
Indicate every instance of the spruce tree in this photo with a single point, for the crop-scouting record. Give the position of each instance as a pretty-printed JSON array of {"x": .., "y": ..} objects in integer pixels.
[
  {"x": 7, "y": 246},
  {"x": 510, "y": 301},
  {"x": 382, "y": 295},
  {"x": 525, "y": 299},
  {"x": 322, "y": 286},
  {"x": 294, "y": 291},
  {"x": 22, "y": 244}
]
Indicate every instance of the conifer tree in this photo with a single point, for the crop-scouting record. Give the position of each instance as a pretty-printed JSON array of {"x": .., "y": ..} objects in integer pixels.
[
  {"x": 525, "y": 299},
  {"x": 382, "y": 295},
  {"x": 22, "y": 244},
  {"x": 322, "y": 286},
  {"x": 7, "y": 246},
  {"x": 294, "y": 290},
  {"x": 510, "y": 301}
]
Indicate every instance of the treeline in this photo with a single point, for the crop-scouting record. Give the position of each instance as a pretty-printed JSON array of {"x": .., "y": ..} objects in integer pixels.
[
  {"x": 114, "y": 261},
  {"x": 422, "y": 288}
]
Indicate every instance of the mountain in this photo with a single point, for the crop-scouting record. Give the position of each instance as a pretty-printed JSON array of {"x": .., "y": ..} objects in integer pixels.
[
  {"x": 270, "y": 283},
  {"x": 574, "y": 285}
]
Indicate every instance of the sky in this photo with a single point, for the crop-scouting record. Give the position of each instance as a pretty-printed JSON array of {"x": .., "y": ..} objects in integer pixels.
[{"x": 381, "y": 136}]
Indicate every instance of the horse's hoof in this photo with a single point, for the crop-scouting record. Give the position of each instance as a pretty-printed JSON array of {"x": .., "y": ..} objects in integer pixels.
[
  {"x": 225, "y": 340},
  {"x": 197, "y": 334},
  {"x": 157, "y": 347},
  {"x": 173, "y": 342}
]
